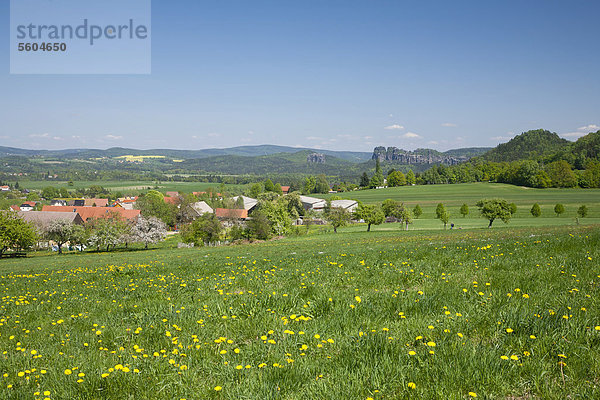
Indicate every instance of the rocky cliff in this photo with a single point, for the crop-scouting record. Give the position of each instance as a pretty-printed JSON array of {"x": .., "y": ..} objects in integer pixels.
[
  {"x": 317, "y": 158},
  {"x": 419, "y": 156}
]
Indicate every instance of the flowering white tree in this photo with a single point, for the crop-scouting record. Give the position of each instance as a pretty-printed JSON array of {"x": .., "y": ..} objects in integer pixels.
[
  {"x": 149, "y": 230},
  {"x": 62, "y": 231}
]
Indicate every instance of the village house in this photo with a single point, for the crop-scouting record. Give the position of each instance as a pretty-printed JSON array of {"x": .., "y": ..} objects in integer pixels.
[
  {"x": 312, "y": 203},
  {"x": 41, "y": 219},
  {"x": 90, "y": 213},
  {"x": 248, "y": 202},
  {"x": 348, "y": 205}
]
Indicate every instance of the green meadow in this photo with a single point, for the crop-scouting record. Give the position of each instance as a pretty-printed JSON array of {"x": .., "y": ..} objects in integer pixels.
[
  {"x": 498, "y": 313},
  {"x": 129, "y": 186},
  {"x": 453, "y": 196}
]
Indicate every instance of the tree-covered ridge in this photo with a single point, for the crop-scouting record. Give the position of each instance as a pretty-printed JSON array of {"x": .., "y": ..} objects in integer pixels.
[{"x": 534, "y": 144}]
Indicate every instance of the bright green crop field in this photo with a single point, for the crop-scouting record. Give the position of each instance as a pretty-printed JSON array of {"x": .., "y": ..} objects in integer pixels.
[
  {"x": 453, "y": 196},
  {"x": 500, "y": 313}
]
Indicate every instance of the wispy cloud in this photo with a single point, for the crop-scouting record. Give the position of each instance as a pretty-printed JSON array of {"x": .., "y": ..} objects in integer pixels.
[
  {"x": 589, "y": 128},
  {"x": 57, "y": 138},
  {"x": 214, "y": 135},
  {"x": 394, "y": 127},
  {"x": 582, "y": 131},
  {"x": 508, "y": 136},
  {"x": 449, "y": 125},
  {"x": 573, "y": 134},
  {"x": 113, "y": 137},
  {"x": 39, "y": 135},
  {"x": 411, "y": 135}
]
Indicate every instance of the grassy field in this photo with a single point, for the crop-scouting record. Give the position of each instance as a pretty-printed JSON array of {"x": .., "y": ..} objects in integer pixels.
[
  {"x": 130, "y": 186},
  {"x": 501, "y": 313},
  {"x": 453, "y": 196}
]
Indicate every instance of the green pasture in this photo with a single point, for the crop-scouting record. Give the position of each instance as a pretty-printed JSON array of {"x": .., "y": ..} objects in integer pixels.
[
  {"x": 130, "y": 186},
  {"x": 492, "y": 313},
  {"x": 453, "y": 196}
]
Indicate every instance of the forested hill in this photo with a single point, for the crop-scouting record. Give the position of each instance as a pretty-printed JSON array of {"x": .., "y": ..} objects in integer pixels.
[{"x": 529, "y": 145}]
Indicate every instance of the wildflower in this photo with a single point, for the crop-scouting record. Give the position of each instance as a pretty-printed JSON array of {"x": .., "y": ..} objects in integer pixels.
[
  {"x": 68, "y": 372},
  {"x": 358, "y": 299},
  {"x": 412, "y": 353},
  {"x": 509, "y": 330},
  {"x": 472, "y": 394},
  {"x": 218, "y": 388},
  {"x": 412, "y": 385}
]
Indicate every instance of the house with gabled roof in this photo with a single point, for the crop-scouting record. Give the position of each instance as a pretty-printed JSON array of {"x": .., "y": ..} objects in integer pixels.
[
  {"x": 231, "y": 213},
  {"x": 348, "y": 205},
  {"x": 91, "y": 213},
  {"x": 248, "y": 202},
  {"x": 41, "y": 219},
  {"x": 312, "y": 203}
]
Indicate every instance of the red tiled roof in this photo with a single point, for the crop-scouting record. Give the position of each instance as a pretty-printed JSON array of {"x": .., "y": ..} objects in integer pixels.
[
  {"x": 231, "y": 213},
  {"x": 285, "y": 189},
  {"x": 31, "y": 203},
  {"x": 15, "y": 207},
  {"x": 87, "y": 213},
  {"x": 172, "y": 194},
  {"x": 172, "y": 200}
]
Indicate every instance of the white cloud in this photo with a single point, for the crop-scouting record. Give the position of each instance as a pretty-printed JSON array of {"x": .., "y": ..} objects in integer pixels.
[
  {"x": 433, "y": 142},
  {"x": 507, "y": 137},
  {"x": 574, "y": 134},
  {"x": 314, "y": 138},
  {"x": 346, "y": 136},
  {"x": 368, "y": 137},
  {"x": 411, "y": 135},
  {"x": 57, "y": 138},
  {"x": 394, "y": 127},
  {"x": 213, "y": 134},
  {"x": 113, "y": 137},
  {"x": 589, "y": 128},
  {"x": 40, "y": 135},
  {"x": 449, "y": 125}
]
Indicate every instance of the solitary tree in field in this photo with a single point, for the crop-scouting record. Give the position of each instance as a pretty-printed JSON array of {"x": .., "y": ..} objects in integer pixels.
[
  {"x": 559, "y": 209},
  {"x": 536, "y": 211},
  {"x": 582, "y": 211},
  {"x": 442, "y": 214},
  {"x": 513, "y": 208},
  {"x": 338, "y": 217},
  {"x": 417, "y": 211},
  {"x": 493, "y": 209},
  {"x": 371, "y": 214},
  {"x": 464, "y": 210}
]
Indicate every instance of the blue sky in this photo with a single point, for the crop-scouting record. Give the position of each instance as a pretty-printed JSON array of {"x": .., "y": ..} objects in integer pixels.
[{"x": 347, "y": 75}]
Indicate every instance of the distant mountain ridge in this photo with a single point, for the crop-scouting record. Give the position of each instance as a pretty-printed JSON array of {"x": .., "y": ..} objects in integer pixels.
[{"x": 248, "y": 151}]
